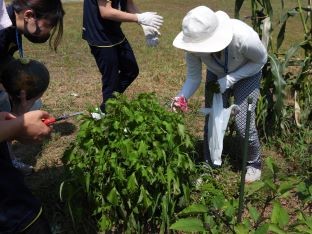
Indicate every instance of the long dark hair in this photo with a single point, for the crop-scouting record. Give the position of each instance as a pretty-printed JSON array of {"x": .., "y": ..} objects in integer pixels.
[{"x": 51, "y": 10}]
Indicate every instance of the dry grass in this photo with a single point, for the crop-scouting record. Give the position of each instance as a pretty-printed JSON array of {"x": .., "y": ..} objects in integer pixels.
[{"x": 75, "y": 85}]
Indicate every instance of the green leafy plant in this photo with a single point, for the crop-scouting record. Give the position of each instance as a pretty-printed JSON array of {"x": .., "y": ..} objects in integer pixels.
[
  {"x": 132, "y": 166},
  {"x": 213, "y": 212}
]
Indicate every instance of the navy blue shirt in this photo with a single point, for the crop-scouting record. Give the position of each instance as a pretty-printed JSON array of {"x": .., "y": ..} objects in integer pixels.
[
  {"x": 8, "y": 42},
  {"x": 98, "y": 31}
]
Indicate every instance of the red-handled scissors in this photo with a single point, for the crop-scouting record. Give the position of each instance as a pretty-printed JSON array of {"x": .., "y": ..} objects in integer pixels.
[{"x": 52, "y": 120}]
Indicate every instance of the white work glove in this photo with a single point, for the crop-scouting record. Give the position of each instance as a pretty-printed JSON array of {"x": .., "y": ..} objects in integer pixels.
[
  {"x": 150, "y": 19},
  {"x": 151, "y": 35},
  {"x": 225, "y": 83}
]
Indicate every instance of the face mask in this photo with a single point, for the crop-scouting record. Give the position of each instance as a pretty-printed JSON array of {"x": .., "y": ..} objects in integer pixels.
[{"x": 33, "y": 38}]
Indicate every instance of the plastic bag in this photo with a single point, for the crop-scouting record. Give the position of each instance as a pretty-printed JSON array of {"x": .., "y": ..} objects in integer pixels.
[{"x": 217, "y": 124}]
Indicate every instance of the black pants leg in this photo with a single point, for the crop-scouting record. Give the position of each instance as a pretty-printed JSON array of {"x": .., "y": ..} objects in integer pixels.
[
  {"x": 40, "y": 226},
  {"x": 118, "y": 67}
]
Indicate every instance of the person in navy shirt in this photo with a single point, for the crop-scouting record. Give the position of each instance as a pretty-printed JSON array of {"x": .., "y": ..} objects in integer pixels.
[
  {"x": 109, "y": 46},
  {"x": 20, "y": 210}
]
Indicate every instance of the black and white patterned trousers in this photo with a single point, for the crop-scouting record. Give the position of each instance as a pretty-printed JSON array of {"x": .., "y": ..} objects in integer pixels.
[{"x": 242, "y": 90}]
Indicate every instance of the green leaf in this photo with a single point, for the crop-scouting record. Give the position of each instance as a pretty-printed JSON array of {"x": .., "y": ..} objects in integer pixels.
[
  {"x": 255, "y": 215},
  {"x": 218, "y": 202},
  {"x": 302, "y": 229},
  {"x": 241, "y": 229},
  {"x": 275, "y": 229},
  {"x": 263, "y": 229},
  {"x": 280, "y": 36},
  {"x": 271, "y": 185},
  {"x": 104, "y": 223},
  {"x": 271, "y": 165},
  {"x": 306, "y": 219},
  {"x": 132, "y": 184},
  {"x": 181, "y": 130},
  {"x": 194, "y": 209},
  {"x": 285, "y": 187},
  {"x": 87, "y": 181},
  {"x": 188, "y": 225},
  {"x": 279, "y": 215},
  {"x": 113, "y": 196},
  {"x": 143, "y": 148},
  {"x": 254, "y": 187}
]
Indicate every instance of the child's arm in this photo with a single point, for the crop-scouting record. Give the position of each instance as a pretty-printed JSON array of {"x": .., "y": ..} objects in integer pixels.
[
  {"x": 25, "y": 128},
  {"x": 132, "y": 14},
  {"x": 108, "y": 12}
]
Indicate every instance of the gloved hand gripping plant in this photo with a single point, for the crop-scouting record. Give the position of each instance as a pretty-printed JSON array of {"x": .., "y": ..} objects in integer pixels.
[{"x": 133, "y": 166}]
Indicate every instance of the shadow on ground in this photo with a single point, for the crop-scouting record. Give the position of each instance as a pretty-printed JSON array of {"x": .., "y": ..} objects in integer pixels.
[
  {"x": 46, "y": 180},
  {"x": 232, "y": 149}
]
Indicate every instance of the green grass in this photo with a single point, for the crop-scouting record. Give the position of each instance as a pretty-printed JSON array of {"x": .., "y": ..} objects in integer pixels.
[{"x": 73, "y": 71}]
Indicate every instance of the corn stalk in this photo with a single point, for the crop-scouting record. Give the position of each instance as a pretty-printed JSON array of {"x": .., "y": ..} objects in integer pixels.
[{"x": 277, "y": 76}]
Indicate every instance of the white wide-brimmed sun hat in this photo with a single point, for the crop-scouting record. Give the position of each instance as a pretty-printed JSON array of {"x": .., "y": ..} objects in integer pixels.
[{"x": 204, "y": 31}]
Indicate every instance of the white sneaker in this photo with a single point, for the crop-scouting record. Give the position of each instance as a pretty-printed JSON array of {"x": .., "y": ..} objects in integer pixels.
[
  {"x": 98, "y": 114},
  {"x": 252, "y": 174}
]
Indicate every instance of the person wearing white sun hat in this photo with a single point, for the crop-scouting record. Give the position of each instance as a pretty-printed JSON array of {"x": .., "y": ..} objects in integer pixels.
[{"x": 234, "y": 56}]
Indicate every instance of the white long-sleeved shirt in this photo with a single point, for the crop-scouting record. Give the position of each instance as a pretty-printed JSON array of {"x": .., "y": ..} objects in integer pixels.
[{"x": 246, "y": 57}]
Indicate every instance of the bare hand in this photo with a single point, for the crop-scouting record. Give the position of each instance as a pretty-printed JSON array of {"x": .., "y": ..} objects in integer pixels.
[{"x": 34, "y": 130}]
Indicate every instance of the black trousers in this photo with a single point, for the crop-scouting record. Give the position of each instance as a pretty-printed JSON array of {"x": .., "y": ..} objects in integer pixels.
[
  {"x": 41, "y": 226},
  {"x": 118, "y": 67}
]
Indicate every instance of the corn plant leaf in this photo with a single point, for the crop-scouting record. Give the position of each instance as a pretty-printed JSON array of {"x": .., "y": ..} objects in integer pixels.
[
  {"x": 283, "y": 22},
  {"x": 297, "y": 110},
  {"x": 268, "y": 7},
  {"x": 279, "y": 84},
  {"x": 238, "y": 6},
  {"x": 290, "y": 53},
  {"x": 188, "y": 225}
]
